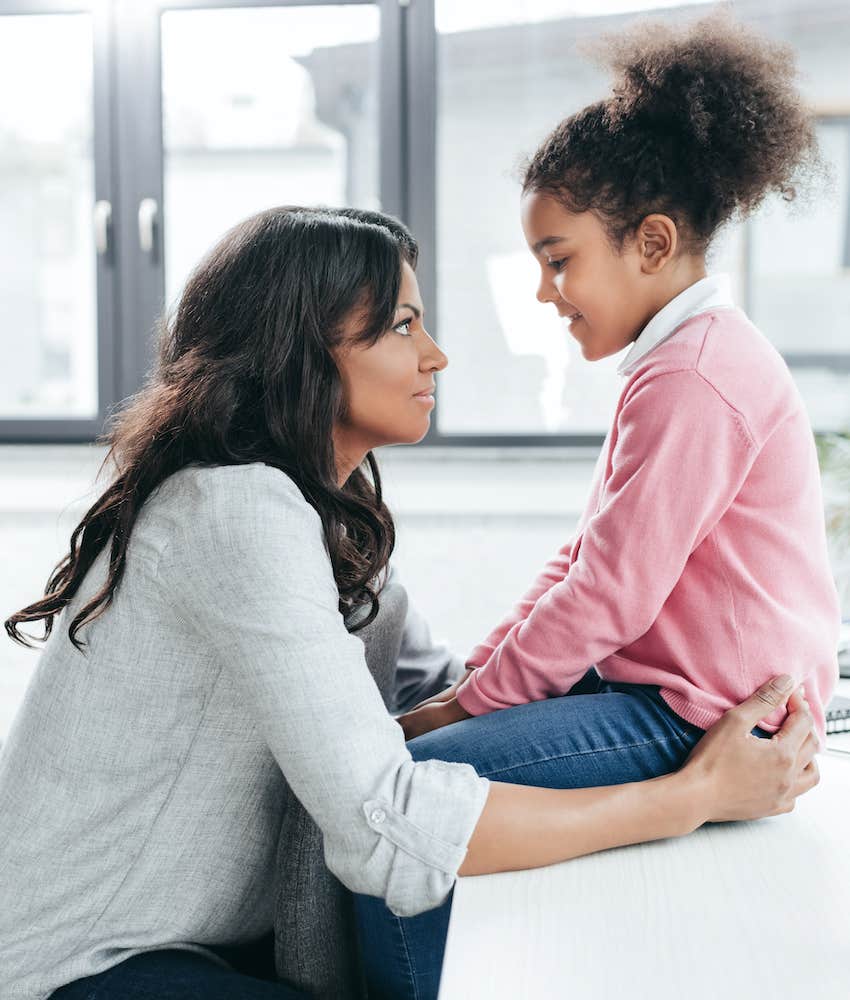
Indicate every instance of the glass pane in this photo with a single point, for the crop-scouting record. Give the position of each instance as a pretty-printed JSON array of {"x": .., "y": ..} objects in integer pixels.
[
  {"x": 48, "y": 323},
  {"x": 827, "y": 397},
  {"x": 800, "y": 267},
  {"x": 264, "y": 107},
  {"x": 507, "y": 73}
]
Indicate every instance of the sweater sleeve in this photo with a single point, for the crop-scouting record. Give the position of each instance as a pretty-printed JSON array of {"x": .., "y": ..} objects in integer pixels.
[
  {"x": 247, "y": 572},
  {"x": 553, "y": 572},
  {"x": 680, "y": 456}
]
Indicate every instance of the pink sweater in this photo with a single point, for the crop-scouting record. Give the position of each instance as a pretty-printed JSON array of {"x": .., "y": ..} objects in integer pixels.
[{"x": 700, "y": 561}]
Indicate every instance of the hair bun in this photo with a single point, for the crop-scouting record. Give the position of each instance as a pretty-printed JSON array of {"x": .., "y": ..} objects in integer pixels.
[{"x": 722, "y": 95}]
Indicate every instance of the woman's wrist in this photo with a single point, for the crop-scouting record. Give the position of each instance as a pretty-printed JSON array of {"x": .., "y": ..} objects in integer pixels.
[{"x": 692, "y": 796}]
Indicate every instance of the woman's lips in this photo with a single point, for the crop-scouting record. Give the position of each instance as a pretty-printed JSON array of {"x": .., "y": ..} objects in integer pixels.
[{"x": 426, "y": 393}]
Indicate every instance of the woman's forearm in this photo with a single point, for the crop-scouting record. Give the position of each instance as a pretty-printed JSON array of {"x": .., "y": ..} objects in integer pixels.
[
  {"x": 527, "y": 827},
  {"x": 730, "y": 775}
]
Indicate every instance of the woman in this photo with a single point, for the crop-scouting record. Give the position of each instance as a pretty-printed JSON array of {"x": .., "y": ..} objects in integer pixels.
[{"x": 204, "y": 653}]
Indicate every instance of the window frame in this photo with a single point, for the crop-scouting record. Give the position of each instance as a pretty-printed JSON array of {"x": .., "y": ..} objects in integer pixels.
[
  {"x": 75, "y": 429},
  {"x": 128, "y": 149},
  {"x": 128, "y": 154},
  {"x": 423, "y": 212}
]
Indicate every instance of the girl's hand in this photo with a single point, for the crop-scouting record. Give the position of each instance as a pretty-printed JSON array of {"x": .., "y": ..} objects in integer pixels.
[
  {"x": 446, "y": 695},
  {"x": 746, "y": 777},
  {"x": 432, "y": 715}
]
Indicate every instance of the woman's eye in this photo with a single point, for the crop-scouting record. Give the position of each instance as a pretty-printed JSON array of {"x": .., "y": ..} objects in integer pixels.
[
  {"x": 557, "y": 265},
  {"x": 403, "y": 328}
]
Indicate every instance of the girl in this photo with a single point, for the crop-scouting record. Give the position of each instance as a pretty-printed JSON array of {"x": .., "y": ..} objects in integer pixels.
[
  {"x": 701, "y": 556},
  {"x": 700, "y": 560},
  {"x": 208, "y": 653}
]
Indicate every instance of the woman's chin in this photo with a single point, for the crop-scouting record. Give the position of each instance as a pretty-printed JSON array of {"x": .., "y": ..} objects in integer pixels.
[{"x": 413, "y": 435}]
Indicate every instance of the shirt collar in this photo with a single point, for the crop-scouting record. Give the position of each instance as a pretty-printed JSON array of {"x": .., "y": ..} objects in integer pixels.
[{"x": 708, "y": 293}]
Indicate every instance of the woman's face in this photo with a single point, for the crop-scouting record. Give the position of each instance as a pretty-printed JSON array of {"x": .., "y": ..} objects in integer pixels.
[
  {"x": 603, "y": 295},
  {"x": 388, "y": 386}
]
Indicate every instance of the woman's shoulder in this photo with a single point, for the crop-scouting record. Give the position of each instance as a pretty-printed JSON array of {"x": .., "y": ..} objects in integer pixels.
[
  {"x": 203, "y": 506},
  {"x": 224, "y": 488}
]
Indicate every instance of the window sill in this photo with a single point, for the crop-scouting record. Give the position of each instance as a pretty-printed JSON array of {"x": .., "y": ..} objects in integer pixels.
[{"x": 421, "y": 481}]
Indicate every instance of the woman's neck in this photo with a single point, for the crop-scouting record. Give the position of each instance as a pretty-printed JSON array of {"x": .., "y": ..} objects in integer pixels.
[{"x": 348, "y": 456}]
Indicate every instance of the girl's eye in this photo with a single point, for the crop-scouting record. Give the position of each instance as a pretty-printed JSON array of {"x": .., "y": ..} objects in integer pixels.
[
  {"x": 557, "y": 265},
  {"x": 403, "y": 327}
]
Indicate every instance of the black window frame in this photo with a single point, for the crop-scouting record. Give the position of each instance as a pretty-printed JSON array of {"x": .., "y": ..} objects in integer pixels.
[
  {"x": 128, "y": 150},
  {"x": 67, "y": 429}
]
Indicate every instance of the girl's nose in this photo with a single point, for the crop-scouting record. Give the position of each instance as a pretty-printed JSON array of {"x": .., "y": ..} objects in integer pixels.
[{"x": 546, "y": 291}]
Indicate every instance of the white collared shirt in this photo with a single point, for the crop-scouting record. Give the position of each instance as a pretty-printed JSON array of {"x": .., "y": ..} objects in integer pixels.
[{"x": 712, "y": 292}]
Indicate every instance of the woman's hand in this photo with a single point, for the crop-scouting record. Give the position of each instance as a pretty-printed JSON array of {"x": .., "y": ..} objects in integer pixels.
[
  {"x": 746, "y": 777},
  {"x": 431, "y": 715}
]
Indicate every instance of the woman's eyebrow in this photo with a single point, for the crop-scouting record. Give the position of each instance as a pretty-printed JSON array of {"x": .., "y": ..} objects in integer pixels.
[{"x": 409, "y": 305}]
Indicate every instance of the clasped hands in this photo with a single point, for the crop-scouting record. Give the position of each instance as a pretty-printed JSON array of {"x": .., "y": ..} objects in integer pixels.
[{"x": 434, "y": 713}]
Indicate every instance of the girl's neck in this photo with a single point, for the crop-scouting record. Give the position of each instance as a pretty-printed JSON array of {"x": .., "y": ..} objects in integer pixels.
[{"x": 686, "y": 271}]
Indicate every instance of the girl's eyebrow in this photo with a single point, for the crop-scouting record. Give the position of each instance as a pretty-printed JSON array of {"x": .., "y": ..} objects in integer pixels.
[
  {"x": 409, "y": 305},
  {"x": 547, "y": 242}
]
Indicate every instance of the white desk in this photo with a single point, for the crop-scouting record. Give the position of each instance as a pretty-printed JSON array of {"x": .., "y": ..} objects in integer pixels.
[{"x": 734, "y": 911}]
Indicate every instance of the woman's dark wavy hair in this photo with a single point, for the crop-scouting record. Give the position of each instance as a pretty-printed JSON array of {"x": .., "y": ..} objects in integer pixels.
[
  {"x": 245, "y": 374},
  {"x": 704, "y": 121}
]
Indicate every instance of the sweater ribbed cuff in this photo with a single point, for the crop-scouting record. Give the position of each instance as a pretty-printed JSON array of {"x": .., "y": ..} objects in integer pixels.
[{"x": 470, "y": 697}]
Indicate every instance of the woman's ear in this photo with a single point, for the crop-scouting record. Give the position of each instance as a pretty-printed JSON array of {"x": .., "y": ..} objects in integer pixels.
[{"x": 657, "y": 240}]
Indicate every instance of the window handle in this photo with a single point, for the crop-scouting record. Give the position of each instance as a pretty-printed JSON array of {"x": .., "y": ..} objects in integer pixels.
[
  {"x": 102, "y": 222},
  {"x": 148, "y": 210}
]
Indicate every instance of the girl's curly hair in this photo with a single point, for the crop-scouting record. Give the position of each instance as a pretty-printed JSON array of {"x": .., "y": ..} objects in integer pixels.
[{"x": 703, "y": 122}]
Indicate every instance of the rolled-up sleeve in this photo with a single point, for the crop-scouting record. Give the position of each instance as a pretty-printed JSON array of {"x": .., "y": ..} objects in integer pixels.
[{"x": 247, "y": 570}]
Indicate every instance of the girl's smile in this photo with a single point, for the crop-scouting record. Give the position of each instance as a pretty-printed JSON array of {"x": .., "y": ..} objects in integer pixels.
[{"x": 606, "y": 295}]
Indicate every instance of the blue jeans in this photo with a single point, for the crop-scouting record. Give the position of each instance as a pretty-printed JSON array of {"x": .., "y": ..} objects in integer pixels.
[
  {"x": 187, "y": 975},
  {"x": 600, "y": 733}
]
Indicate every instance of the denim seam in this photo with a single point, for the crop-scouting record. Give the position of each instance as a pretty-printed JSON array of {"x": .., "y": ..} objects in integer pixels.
[
  {"x": 579, "y": 753},
  {"x": 409, "y": 958},
  {"x": 653, "y": 693}
]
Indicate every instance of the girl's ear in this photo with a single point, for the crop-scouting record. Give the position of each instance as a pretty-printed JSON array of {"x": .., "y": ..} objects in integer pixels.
[{"x": 657, "y": 240}]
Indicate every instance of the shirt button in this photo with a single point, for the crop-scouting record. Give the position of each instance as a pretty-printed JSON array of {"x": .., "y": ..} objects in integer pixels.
[{"x": 377, "y": 816}]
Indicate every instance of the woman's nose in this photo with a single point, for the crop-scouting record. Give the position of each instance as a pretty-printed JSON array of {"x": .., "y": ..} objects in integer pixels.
[{"x": 431, "y": 358}]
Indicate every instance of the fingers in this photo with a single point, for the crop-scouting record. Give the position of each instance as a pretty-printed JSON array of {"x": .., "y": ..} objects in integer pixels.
[
  {"x": 434, "y": 699},
  {"x": 808, "y": 777},
  {"x": 798, "y": 724},
  {"x": 770, "y": 696},
  {"x": 797, "y": 700},
  {"x": 808, "y": 750}
]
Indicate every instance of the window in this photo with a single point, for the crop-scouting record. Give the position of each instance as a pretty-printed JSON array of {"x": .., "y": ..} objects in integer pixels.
[
  {"x": 506, "y": 74},
  {"x": 208, "y": 110},
  {"x": 48, "y": 334},
  {"x": 258, "y": 110}
]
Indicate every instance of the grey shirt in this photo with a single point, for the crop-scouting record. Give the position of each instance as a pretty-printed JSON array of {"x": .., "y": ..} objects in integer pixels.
[{"x": 140, "y": 788}]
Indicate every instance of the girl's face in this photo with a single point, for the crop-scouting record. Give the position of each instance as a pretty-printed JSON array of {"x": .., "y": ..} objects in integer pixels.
[
  {"x": 389, "y": 385},
  {"x": 604, "y": 295}
]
